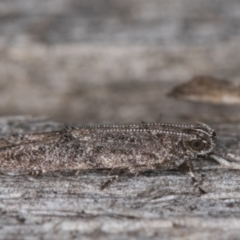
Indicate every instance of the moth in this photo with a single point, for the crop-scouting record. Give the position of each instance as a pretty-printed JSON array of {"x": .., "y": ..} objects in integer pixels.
[{"x": 135, "y": 148}]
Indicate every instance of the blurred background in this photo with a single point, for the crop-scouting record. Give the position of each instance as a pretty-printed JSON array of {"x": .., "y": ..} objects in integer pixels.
[{"x": 113, "y": 61}]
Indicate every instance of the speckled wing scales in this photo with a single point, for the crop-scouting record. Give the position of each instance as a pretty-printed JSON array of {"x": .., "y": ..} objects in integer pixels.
[{"x": 136, "y": 147}]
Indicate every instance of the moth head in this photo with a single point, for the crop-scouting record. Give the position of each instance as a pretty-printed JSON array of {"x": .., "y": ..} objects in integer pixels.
[{"x": 200, "y": 139}]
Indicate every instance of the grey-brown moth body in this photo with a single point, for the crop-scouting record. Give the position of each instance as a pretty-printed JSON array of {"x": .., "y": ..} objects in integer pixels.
[{"x": 137, "y": 147}]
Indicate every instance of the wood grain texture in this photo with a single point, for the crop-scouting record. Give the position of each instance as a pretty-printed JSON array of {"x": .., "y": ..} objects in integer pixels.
[{"x": 155, "y": 204}]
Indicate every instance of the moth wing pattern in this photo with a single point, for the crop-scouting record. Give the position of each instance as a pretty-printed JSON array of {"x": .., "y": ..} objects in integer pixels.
[
  {"x": 136, "y": 146},
  {"x": 29, "y": 139}
]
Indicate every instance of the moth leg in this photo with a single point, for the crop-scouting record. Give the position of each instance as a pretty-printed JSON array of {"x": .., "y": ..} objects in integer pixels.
[
  {"x": 191, "y": 170},
  {"x": 77, "y": 172},
  {"x": 193, "y": 177},
  {"x": 226, "y": 163},
  {"x": 108, "y": 182},
  {"x": 133, "y": 170},
  {"x": 110, "y": 172},
  {"x": 111, "y": 180}
]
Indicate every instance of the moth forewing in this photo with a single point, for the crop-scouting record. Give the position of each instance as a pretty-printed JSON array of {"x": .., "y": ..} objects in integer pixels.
[{"x": 137, "y": 147}]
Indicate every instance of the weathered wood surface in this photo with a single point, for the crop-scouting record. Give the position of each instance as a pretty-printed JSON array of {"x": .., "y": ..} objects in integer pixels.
[
  {"x": 114, "y": 61},
  {"x": 163, "y": 204},
  {"x": 121, "y": 22},
  {"x": 63, "y": 58}
]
